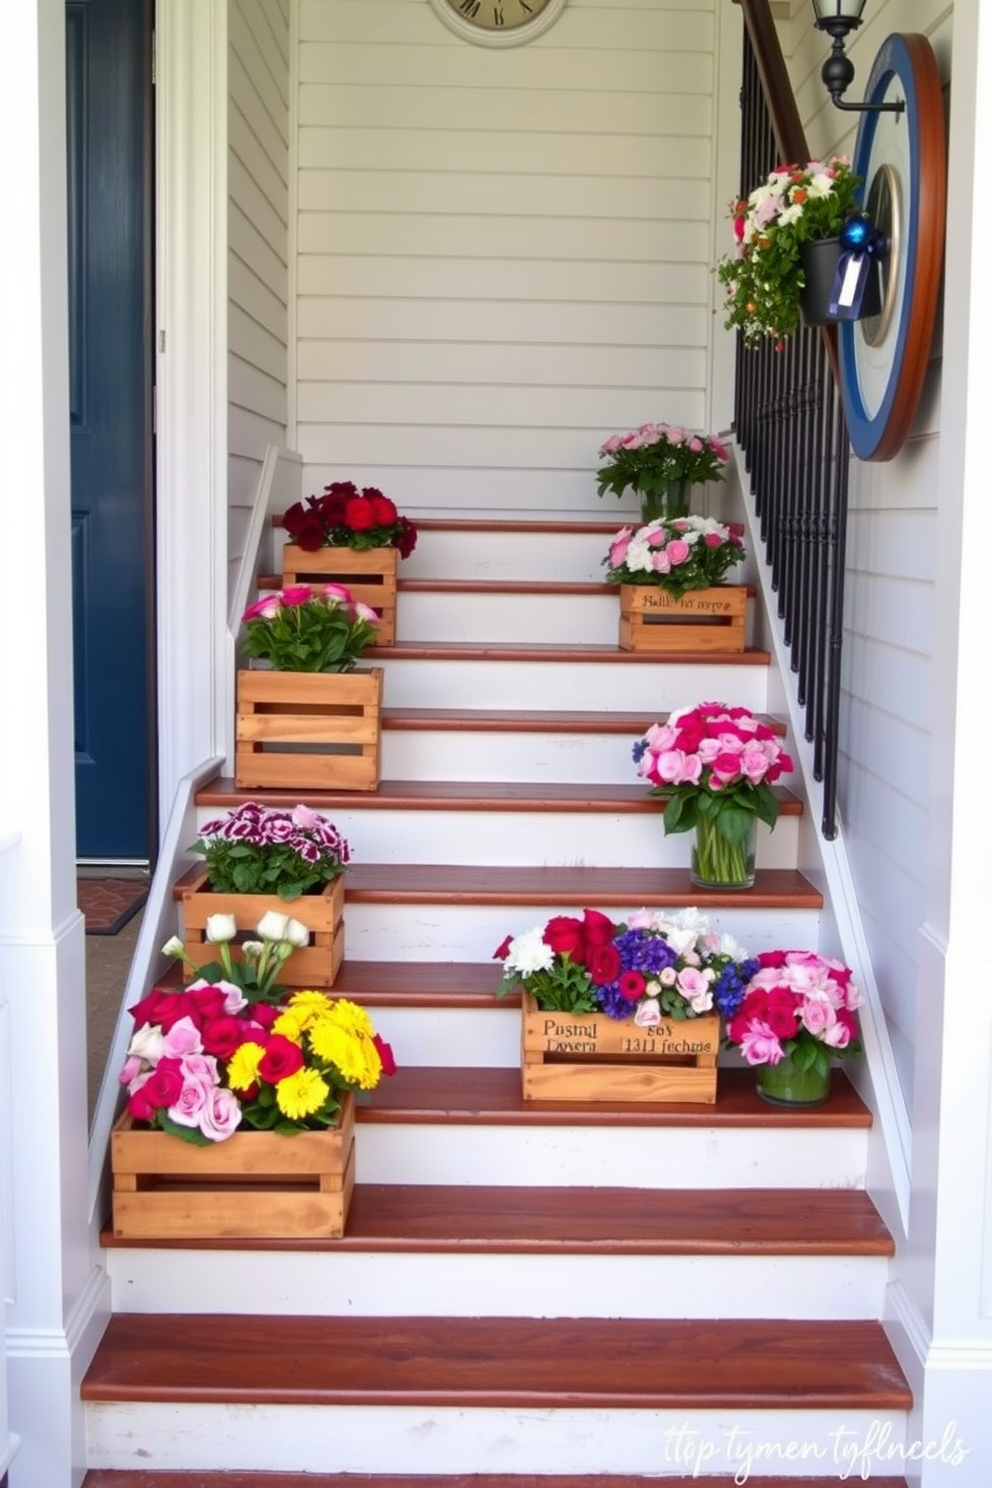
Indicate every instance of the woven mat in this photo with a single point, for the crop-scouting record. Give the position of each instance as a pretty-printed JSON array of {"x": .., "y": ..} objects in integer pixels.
[{"x": 108, "y": 903}]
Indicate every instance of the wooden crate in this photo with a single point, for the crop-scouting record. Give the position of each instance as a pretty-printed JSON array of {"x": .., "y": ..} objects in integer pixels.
[
  {"x": 590, "y": 1057},
  {"x": 253, "y": 1185},
  {"x": 702, "y": 620},
  {"x": 371, "y": 577},
  {"x": 314, "y": 965},
  {"x": 308, "y": 730}
]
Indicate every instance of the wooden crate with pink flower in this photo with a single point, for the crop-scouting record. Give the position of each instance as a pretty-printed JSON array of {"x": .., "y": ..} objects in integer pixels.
[
  {"x": 622, "y": 1011},
  {"x": 352, "y": 538},
  {"x": 673, "y": 597}
]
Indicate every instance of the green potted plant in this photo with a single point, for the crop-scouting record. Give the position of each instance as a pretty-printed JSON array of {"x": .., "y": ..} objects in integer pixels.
[{"x": 660, "y": 462}]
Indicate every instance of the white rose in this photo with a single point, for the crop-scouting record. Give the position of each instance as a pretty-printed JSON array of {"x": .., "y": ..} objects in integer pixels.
[
  {"x": 147, "y": 1043},
  {"x": 272, "y": 926},
  {"x": 648, "y": 1014},
  {"x": 297, "y": 934},
  {"x": 173, "y": 947},
  {"x": 221, "y": 928}
]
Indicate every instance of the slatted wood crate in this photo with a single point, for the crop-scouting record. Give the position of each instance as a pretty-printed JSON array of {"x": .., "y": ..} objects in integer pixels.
[
  {"x": 370, "y": 575},
  {"x": 308, "y": 730},
  {"x": 702, "y": 620},
  {"x": 313, "y": 965},
  {"x": 254, "y": 1185},
  {"x": 590, "y": 1057}
]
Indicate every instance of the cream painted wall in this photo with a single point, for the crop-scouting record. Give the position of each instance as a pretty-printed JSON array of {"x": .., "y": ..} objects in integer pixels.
[
  {"x": 503, "y": 256},
  {"x": 258, "y": 246},
  {"x": 891, "y": 576}
]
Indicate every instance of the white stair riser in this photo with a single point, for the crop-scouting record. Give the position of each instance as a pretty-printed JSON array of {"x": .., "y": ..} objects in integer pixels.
[
  {"x": 470, "y": 932},
  {"x": 610, "y": 1157},
  {"x": 447, "y": 754},
  {"x": 431, "y": 1439},
  {"x": 588, "y": 619},
  {"x": 537, "y": 838},
  {"x": 344, "y": 1284},
  {"x": 538, "y": 557},
  {"x": 656, "y": 687}
]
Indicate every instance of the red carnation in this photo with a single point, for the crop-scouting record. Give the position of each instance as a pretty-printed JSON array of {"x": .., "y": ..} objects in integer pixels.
[
  {"x": 632, "y": 985},
  {"x": 406, "y": 539},
  {"x": 309, "y": 534}
]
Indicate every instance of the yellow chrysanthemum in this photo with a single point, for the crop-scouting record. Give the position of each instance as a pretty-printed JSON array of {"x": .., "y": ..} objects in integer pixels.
[
  {"x": 242, "y": 1068},
  {"x": 351, "y": 1016},
  {"x": 300, "y": 1095},
  {"x": 310, "y": 1001},
  {"x": 291, "y": 1025},
  {"x": 354, "y": 1055}
]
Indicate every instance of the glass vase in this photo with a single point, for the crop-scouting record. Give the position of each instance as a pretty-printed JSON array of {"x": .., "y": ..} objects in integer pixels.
[
  {"x": 783, "y": 1085},
  {"x": 671, "y": 501},
  {"x": 718, "y": 863}
]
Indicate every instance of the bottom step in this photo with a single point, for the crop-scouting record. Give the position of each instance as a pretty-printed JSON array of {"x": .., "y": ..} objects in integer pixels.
[{"x": 142, "y": 1479}]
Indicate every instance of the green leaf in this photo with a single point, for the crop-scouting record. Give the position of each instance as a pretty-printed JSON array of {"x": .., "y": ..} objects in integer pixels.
[{"x": 188, "y": 1134}]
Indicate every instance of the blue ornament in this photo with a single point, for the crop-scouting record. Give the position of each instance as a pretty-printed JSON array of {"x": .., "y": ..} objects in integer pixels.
[{"x": 857, "y": 232}]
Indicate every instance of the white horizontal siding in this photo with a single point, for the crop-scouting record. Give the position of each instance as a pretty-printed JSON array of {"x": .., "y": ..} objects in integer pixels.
[
  {"x": 503, "y": 256},
  {"x": 258, "y": 247},
  {"x": 892, "y": 545}
]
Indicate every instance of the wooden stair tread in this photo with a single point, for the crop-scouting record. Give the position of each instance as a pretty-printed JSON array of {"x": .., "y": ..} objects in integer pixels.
[
  {"x": 446, "y": 1218},
  {"x": 497, "y": 1362},
  {"x": 491, "y": 1096},
  {"x": 510, "y": 524},
  {"x": 523, "y": 651},
  {"x": 469, "y": 795},
  {"x": 506, "y": 720},
  {"x": 603, "y": 888},
  {"x": 102, "y": 1477}
]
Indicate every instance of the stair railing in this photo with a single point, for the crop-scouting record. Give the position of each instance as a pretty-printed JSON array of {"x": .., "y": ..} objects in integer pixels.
[
  {"x": 158, "y": 925},
  {"x": 790, "y": 426}
]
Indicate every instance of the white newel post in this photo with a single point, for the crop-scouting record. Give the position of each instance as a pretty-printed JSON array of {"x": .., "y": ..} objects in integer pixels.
[{"x": 54, "y": 1289}]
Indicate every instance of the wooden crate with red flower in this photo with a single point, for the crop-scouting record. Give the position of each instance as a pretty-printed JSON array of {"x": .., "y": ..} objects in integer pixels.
[
  {"x": 350, "y": 537},
  {"x": 240, "y": 1115},
  {"x": 311, "y": 719},
  {"x": 670, "y": 574},
  {"x": 622, "y": 1011}
]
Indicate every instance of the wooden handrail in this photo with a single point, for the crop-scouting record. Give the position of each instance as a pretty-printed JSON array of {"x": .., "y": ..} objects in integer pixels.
[{"x": 783, "y": 112}]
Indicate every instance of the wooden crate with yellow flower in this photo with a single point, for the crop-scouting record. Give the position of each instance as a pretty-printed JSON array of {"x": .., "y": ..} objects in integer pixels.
[{"x": 240, "y": 1116}]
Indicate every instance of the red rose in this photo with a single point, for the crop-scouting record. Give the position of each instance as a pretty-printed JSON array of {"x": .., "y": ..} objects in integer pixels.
[
  {"x": 164, "y": 1085},
  {"x": 503, "y": 950},
  {"x": 281, "y": 1058},
  {"x": 599, "y": 928},
  {"x": 385, "y": 511},
  {"x": 566, "y": 936},
  {"x": 783, "y": 1007},
  {"x": 171, "y": 1007},
  {"x": 771, "y": 958},
  {"x": 359, "y": 514},
  {"x": 265, "y": 1013},
  {"x": 221, "y": 1036},
  {"x": 309, "y": 534},
  {"x": 385, "y": 1054},
  {"x": 139, "y": 1108},
  {"x": 148, "y": 1010},
  {"x": 603, "y": 964},
  {"x": 208, "y": 1003}
]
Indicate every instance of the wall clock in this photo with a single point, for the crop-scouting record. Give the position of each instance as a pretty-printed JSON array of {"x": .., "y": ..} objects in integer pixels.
[
  {"x": 901, "y": 159},
  {"x": 498, "y": 22}
]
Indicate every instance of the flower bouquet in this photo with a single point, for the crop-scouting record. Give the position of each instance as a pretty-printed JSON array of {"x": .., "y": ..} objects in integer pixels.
[
  {"x": 312, "y": 720},
  {"x": 353, "y": 537},
  {"x": 796, "y": 1012},
  {"x": 605, "y": 1004},
  {"x": 256, "y": 859},
  {"x": 657, "y": 565},
  {"x": 715, "y": 767},
  {"x": 233, "y": 1080},
  {"x": 765, "y": 276},
  {"x": 660, "y": 462}
]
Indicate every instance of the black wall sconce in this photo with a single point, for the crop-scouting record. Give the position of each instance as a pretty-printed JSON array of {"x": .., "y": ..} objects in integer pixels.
[{"x": 838, "y": 18}]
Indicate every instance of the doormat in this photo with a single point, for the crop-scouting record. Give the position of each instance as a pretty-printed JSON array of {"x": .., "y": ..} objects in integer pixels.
[{"x": 108, "y": 903}]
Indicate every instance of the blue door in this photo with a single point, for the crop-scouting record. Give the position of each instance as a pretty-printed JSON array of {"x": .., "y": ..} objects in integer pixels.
[{"x": 108, "y": 100}]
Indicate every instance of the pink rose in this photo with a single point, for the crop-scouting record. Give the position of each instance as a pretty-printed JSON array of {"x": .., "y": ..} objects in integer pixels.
[
  {"x": 817, "y": 1017},
  {"x": 337, "y": 591},
  {"x": 695, "y": 444},
  {"x": 192, "y": 1098},
  {"x": 220, "y": 1115},
  {"x": 676, "y": 434},
  {"x": 130, "y": 1069},
  {"x": 753, "y": 763},
  {"x": 695, "y": 989},
  {"x": 297, "y": 594},
  {"x": 661, "y": 563},
  {"x": 713, "y": 539},
  {"x": 648, "y": 1013},
  {"x": 649, "y": 434},
  {"x": 611, "y": 445},
  {"x": 632, "y": 440},
  {"x": 618, "y": 549},
  {"x": 760, "y": 1046},
  {"x": 182, "y": 1038},
  {"x": 678, "y": 551}
]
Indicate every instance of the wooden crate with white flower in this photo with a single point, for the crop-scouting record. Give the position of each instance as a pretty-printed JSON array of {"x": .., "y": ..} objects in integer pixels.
[
  {"x": 370, "y": 575},
  {"x": 313, "y": 965},
  {"x": 592, "y": 1057},
  {"x": 252, "y": 1185},
  {"x": 701, "y": 620}
]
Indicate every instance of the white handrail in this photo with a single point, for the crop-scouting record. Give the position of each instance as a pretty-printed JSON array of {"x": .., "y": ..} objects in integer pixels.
[
  {"x": 157, "y": 926},
  {"x": 279, "y": 485}
]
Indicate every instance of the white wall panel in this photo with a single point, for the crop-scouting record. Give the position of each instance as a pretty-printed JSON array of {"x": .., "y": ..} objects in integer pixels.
[
  {"x": 503, "y": 256},
  {"x": 258, "y": 245}
]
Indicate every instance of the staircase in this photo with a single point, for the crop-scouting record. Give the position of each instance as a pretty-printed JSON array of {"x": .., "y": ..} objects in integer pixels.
[{"x": 576, "y": 1294}]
